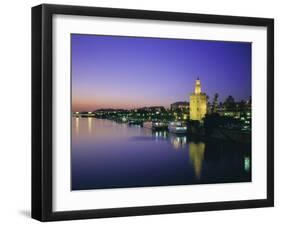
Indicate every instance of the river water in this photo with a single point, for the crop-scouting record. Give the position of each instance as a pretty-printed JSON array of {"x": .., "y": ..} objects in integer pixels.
[{"x": 106, "y": 154}]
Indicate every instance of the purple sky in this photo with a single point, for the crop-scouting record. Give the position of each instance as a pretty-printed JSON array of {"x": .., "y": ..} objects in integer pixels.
[{"x": 128, "y": 72}]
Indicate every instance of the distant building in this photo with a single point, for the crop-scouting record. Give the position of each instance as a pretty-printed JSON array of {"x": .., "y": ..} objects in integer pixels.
[
  {"x": 241, "y": 111},
  {"x": 180, "y": 110},
  {"x": 198, "y": 103},
  {"x": 181, "y": 105},
  {"x": 152, "y": 109}
]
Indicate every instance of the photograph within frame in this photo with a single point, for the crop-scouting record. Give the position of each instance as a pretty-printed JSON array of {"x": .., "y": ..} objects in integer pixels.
[{"x": 159, "y": 111}]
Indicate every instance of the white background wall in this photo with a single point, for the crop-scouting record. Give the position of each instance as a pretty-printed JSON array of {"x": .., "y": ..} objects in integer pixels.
[{"x": 15, "y": 104}]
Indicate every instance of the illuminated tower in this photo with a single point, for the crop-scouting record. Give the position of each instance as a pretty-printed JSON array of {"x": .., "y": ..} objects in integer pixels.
[{"x": 198, "y": 103}]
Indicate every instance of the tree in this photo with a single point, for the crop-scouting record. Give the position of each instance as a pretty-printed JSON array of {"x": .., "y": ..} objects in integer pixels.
[
  {"x": 215, "y": 103},
  {"x": 229, "y": 103},
  {"x": 209, "y": 108},
  {"x": 242, "y": 106}
]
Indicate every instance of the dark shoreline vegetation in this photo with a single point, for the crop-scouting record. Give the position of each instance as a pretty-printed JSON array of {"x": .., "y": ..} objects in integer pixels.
[{"x": 229, "y": 121}]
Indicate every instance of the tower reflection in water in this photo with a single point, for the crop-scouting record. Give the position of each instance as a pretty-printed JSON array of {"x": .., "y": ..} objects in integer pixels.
[
  {"x": 196, "y": 152},
  {"x": 196, "y": 156}
]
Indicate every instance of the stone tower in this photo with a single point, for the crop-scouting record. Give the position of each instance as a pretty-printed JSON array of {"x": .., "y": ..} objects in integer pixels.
[{"x": 198, "y": 103}]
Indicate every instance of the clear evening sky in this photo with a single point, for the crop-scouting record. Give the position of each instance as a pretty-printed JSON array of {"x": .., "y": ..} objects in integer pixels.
[{"x": 130, "y": 72}]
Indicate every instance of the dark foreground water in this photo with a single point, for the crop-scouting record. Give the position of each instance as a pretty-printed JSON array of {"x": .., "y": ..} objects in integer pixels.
[{"x": 106, "y": 154}]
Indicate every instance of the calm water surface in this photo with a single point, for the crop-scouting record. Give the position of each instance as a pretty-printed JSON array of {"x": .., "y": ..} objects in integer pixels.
[{"x": 106, "y": 154}]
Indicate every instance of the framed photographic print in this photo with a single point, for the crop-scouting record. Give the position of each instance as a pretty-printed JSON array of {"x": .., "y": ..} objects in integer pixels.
[{"x": 146, "y": 112}]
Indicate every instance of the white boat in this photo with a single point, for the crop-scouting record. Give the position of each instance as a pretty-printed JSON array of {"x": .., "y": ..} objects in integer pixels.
[
  {"x": 177, "y": 127},
  {"x": 155, "y": 125}
]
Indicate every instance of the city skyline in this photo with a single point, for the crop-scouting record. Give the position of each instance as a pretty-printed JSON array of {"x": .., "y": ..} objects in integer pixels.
[{"x": 132, "y": 72}]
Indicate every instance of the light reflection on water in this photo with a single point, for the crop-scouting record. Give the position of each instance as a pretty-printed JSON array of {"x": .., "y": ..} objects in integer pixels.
[
  {"x": 196, "y": 154},
  {"x": 90, "y": 125},
  {"x": 77, "y": 120},
  {"x": 106, "y": 154}
]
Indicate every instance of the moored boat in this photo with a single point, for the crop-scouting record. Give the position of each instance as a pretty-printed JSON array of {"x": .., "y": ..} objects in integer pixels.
[
  {"x": 135, "y": 123},
  {"x": 155, "y": 125},
  {"x": 177, "y": 127}
]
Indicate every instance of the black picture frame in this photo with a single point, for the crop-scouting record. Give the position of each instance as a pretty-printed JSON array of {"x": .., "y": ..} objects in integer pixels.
[{"x": 42, "y": 111}]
